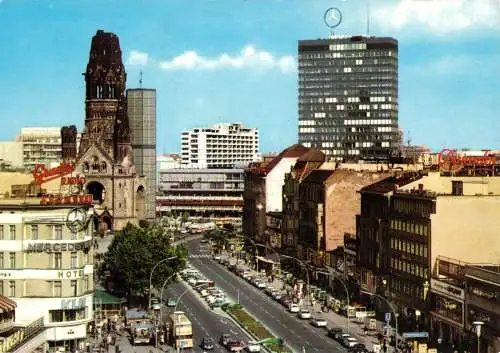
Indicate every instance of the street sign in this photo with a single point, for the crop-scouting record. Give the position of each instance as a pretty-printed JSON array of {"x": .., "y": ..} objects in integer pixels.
[{"x": 387, "y": 317}]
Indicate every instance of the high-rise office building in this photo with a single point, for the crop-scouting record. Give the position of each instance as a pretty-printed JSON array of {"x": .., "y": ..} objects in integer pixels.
[
  {"x": 348, "y": 97},
  {"x": 141, "y": 106},
  {"x": 220, "y": 146},
  {"x": 41, "y": 145}
]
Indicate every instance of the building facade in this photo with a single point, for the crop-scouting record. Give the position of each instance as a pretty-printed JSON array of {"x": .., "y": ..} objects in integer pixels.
[
  {"x": 105, "y": 149},
  {"x": 11, "y": 154},
  {"x": 348, "y": 97},
  {"x": 47, "y": 269},
  {"x": 264, "y": 190},
  {"x": 141, "y": 106},
  {"x": 41, "y": 145},
  {"x": 201, "y": 192},
  {"x": 220, "y": 146}
]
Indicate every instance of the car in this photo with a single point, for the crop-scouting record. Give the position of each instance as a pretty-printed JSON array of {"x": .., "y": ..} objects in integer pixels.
[
  {"x": 293, "y": 308},
  {"x": 358, "y": 348},
  {"x": 171, "y": 302},
  {"x": 319, "y": 321},
  {"x": 235, "y": 345},
  {"x": 207, "y": 343},
  {"x": 155, "y": 304},
  {"x": 203, "y": 241},
  {"x": 216, "y": 257},
  {"x": 252, "y": 346},
  {"x": 204, "y": 293},
  {"x": 261, "y": 285},
  {"x": 304, "y": 314},
  {"x": 224, "y": 338},
  {"x": 349, "y": 342},
  {"x": 335, "y": 333}
]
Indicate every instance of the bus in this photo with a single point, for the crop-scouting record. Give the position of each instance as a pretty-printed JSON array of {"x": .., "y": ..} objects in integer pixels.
[{"x": 181, "y": 330}]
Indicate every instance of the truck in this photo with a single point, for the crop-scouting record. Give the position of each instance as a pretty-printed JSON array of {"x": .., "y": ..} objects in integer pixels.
[
  {"x": 181, "y": 330},
  {"x": 143, "y": 333}
]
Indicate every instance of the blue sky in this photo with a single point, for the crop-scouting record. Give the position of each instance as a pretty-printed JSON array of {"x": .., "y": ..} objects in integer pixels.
[{"x": 235, "y": 60}]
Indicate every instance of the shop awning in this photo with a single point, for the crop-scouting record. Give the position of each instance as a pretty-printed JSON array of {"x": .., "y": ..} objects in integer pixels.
[
  {"x": 7, "y": 304},
  {"x": 272, "y": 258},
  {"x": 101, "y": 297}
]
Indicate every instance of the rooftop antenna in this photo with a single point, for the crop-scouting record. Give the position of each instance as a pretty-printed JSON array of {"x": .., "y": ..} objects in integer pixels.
[
  {"x": 367, "y": 18},
  {"x": 408, "y": 140},
  {"x": 140, "y": 79}
]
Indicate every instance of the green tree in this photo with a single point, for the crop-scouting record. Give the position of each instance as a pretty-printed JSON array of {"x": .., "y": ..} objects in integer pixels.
[
  {"x": 185, "y": 217},
  {"x": 134, "y": 252}
]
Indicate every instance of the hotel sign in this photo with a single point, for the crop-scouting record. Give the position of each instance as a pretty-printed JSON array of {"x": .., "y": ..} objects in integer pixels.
[
  {"x": 12, "y": 341},
  {"x": 447, "y": 289},
  {"x": 57, "y": 247},
  {"x": 66, "y": 199},
  {"x": 449, "y": 160}
]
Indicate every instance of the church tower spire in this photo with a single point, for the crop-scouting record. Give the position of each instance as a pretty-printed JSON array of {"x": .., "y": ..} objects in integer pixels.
[{"x": 106, "y": 121}]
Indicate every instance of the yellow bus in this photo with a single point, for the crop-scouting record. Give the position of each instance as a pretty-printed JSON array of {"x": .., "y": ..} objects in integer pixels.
[{"x": 181, "y": 330}]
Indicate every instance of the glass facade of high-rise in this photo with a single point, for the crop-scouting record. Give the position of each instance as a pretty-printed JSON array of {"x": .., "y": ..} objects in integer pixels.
[
  {"x": 348, "y": 97},
  {"x": 141, "y": 106}
]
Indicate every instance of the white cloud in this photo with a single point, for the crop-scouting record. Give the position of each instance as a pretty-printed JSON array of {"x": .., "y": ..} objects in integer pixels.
[
  {"x": 138, "y": 58},
  {"x": 249, "y": 57},
  {"x": 438, "y": 16}
]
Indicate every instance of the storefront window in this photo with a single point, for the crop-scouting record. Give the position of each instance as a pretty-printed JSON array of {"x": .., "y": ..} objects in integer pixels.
[
  {"x": 67, "y": 315},
  {"x": 448, "y": 308}
]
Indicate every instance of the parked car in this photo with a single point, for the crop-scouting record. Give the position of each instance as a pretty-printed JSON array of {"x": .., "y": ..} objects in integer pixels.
[
  {"x": 358, "y": 348},
  {"x": 224, "y": 339},
  {"x": 235, "y": 346},
  {"x": 155, "y": 304},
  {"x": 171, "y": 302},
  {"x": 335, "y": 333},
  {"x": 207, "y": 343},
  {"x": 319, "y": 321},
  {"x": 261, "y": 284},
  {"x": 252, "y": 346},
  {"x": 304, "y": 314},
  {"x": 349, "y": 342},
  {"x": 293, "y": 308},
  {"x": 216, "y": 257}
]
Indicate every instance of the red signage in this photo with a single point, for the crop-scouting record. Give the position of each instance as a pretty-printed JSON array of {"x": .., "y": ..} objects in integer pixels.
[
  {"x": 451, "y": 161},
  {"x": 66, "y": 199},
  {"x": 77, "y": 180},
  {"x": 42, "y": 175}
]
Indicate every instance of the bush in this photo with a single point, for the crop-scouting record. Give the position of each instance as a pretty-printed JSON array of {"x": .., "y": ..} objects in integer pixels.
[{"x": 252, "y": 325}]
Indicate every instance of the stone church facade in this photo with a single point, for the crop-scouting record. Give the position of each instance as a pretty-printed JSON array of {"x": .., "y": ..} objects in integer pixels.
[{"x": 105, "y": 152}]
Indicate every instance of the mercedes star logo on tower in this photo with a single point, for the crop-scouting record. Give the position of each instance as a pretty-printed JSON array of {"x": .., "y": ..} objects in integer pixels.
[
  {"x": 333, "y": 17},
  {"x": 76, "y": 220}
]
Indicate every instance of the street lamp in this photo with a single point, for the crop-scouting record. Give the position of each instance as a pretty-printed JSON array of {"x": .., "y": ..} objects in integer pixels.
[
  {"x": 151, "y": 276},
  {"x": 393, "y": 313},
  {"x": 348, "y": 299},
  {"x": 161, "y": 305},
  {"x": 478, "y": 326},
  {"x": 307, "y": 272}
]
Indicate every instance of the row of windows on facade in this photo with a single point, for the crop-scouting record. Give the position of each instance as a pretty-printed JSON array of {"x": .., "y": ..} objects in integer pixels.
[
  {"x": 352, "y": 60},
  {"x": 318, "y": 121},
  {"x": 67, "y": 315},
  {"x": 350, "y": 107},
  {"x": 54, "y": 288},
  {"x": 329, "y": 89},
  {"x": 410, "y": 268},
  {"x": 55, "y": 260},
  {"x": 365, "y": 53},
  {"x": 317, "y": 85},
  {"x": 422, "y": 208},
  {"x": 408, "y": 288},
  {"x": 409, "y": 247},
  {"x": 410, "y": 226},
  {"x": 323, "y": 74},
  {"x": 316, "y": 136},
  {"x": 339, "y": 117},
  {"x": 56, "y": 232}
]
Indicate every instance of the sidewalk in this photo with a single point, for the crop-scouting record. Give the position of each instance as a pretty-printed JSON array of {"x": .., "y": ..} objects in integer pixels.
[{"x": 333, "y": 319}]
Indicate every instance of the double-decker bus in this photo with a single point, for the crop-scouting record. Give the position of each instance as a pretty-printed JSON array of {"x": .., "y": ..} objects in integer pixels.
[{"x": 181, "y": 330}]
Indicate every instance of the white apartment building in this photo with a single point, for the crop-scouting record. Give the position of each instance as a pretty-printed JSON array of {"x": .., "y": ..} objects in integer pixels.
[
  {"x": 220, "y": 146},
  {"x": 41, "y": 145},
  {"x": 47, "y": 269}
]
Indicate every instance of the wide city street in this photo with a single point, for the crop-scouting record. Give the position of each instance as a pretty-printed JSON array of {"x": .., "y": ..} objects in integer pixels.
[{"x": 298, "y": 335}]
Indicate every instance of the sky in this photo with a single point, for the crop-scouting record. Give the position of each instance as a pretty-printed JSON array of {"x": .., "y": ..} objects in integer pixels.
[{"x": 217, "y": 61}]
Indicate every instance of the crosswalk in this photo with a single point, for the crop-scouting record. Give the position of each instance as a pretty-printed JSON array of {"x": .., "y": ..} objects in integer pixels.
[{"x": 200, "y": 256}]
